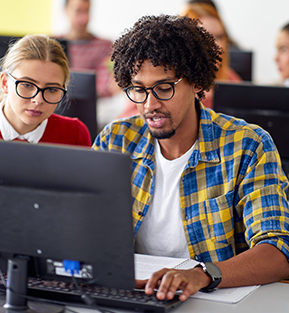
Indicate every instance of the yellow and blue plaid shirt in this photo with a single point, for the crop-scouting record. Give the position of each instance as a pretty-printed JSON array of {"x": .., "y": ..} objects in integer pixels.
[{"x": 232, "y": 190}]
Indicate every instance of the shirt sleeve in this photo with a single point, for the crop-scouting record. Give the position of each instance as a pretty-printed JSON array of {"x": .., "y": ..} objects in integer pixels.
[
  {"x": 84, "y": 138},
  {"x": 101, "y": 141},
  {"x": 262, "y": 197}
]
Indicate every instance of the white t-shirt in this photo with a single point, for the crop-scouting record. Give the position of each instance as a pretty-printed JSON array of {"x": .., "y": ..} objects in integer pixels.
[{"x": 162, "y": 232}]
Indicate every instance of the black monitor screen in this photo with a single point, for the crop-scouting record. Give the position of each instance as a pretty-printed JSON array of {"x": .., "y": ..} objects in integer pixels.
[
  {"x": 81, "y": 100},
  {"x": 5, "y": 42},
  {"x": 67, "y": 204},
  {"x": 242, "y": 63},
  {"x": 266, "y": 106}
]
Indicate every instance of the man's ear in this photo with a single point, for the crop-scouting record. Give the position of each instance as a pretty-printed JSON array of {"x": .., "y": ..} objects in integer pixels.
[
  {"x": 197, "y": 89},
  {"x": 4, "y": 82}
]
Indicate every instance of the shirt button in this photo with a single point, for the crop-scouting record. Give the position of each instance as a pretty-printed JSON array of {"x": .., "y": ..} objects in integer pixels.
[{"x": 140, "y": 213}]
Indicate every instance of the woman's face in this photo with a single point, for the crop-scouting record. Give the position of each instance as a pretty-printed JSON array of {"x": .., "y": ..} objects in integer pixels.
[
  {"x": 26, "y": 114},
  {"x": 282, "y": 55},
  {"x": 214, "y": 27}
]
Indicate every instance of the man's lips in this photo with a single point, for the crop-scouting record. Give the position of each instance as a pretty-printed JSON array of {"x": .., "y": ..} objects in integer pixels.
[{"x": 155, "y": 120}]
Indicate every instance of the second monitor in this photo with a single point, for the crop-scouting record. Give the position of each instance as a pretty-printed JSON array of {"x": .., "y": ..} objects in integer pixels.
[
  {"x": 266, "y": 106},
  {"x": 81, "y": 101}
]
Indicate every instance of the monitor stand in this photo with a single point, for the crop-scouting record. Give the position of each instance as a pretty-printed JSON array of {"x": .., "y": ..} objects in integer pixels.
[{"x": 16, "y": 301}]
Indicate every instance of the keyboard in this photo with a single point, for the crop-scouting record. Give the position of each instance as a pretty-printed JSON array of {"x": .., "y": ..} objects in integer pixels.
[{"x": 68, "y": 294}]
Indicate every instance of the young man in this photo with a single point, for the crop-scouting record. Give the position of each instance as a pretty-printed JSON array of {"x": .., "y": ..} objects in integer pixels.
[
  {"x": 204, "y": 185},
  {"x": 85, "y": 50}
]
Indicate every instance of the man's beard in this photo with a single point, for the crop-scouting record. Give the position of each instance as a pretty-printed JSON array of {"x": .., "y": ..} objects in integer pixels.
[{"x": 163, "y": 134}]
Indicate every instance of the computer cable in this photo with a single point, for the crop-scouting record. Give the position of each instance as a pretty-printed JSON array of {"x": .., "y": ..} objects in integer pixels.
[
  {"x": 85, "y": 297},
  {"x": 26, "y": 296},
  {"x": 3, "y": 279},
  {"x": 74, "y": 267}
]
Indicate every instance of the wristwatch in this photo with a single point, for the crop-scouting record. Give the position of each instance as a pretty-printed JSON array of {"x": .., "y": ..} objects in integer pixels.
[{"x": 213, "y": 272}]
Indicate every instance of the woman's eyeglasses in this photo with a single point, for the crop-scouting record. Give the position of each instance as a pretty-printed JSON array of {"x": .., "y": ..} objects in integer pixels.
[{"x": 28, "y": 90}]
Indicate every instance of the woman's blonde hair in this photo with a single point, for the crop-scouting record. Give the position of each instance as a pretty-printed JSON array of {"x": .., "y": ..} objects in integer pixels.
[
  {"x": 35, "y": 47},
  {"x": 199, "y": 10}
]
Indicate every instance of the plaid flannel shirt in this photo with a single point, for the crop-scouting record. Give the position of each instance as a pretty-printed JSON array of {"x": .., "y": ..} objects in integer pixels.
[{"x": 232, "y": 190}]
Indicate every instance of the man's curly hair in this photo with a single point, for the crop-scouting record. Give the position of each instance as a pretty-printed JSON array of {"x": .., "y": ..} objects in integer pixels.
[{"x": 174, "y": 42}]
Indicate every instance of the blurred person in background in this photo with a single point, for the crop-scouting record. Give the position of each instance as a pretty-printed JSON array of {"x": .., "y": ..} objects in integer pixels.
[
  {"x": 206, "y": 12},
  {"x": 87, "y": 51},
  {"x": 282, "y": 55}
]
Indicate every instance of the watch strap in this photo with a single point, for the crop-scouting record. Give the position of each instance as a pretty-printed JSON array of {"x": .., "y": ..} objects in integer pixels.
[{"x": 216, "y": 277}]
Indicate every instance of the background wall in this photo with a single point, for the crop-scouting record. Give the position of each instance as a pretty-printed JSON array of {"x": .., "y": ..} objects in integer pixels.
[
  {"x": 254, "y": 24},
  {"x": 21, "y": 17}
]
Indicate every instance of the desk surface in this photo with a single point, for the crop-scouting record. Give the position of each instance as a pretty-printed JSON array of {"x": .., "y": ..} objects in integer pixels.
[{"x": 267, "y": 298}]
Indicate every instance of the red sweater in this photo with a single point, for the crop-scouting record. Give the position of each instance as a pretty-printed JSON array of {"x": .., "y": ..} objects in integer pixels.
[{"x": 65, "y": 130}]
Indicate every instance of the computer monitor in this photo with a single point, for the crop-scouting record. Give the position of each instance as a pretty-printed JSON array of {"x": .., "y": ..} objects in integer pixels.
[
  {"x": 242, "y": 63},
  {"x": 266, "y": 106},
  {"x": 66, "y": 203},
  {"x": 81, "y": 101},
  {"x": 5, "y": 42},
  {"x": 64, "y": 45}
]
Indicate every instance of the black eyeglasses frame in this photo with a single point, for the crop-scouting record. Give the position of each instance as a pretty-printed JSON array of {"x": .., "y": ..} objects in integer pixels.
[
  {"x": 17, "y": 82},
  {"x": 152, "y": 89}
]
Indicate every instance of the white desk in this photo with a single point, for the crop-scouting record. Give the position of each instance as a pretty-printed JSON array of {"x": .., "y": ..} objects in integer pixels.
[{"x": 268, "y": 298}]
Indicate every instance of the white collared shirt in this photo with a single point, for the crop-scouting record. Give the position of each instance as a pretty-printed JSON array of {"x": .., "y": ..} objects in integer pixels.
[
  {"x": 286, "y": 82},
  {"x": 9, "y": 133}
]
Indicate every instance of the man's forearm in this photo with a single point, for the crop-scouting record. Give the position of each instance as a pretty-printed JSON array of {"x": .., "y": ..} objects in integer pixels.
[{"x": 260, "y": 265}]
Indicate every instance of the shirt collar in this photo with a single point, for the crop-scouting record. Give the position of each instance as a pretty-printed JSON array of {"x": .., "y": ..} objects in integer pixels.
[
  {"x": 286, "y": 82},
  {"x": 9, "y": 133},
  {"x": 206, "y": 140}
]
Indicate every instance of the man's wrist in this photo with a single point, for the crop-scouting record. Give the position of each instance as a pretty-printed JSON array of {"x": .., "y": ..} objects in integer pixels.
[
  {"x": 204, "y": 279},
  {"x": 213, "y": 273}
]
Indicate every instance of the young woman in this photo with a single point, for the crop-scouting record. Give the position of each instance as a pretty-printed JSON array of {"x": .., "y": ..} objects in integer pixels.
[
  {"x": 33, "y": 80},
  {"x": 207, "y": 13},
  {"x": 282, "y": 55}
]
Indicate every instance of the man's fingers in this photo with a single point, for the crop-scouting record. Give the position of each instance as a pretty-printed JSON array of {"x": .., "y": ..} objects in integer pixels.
[
  {"x": 154, "y": 281},
  {"x": 140, "y": 284},
  {"x": 170, "y": 284}
]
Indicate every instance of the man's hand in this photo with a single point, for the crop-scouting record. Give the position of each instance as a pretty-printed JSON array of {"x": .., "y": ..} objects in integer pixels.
[
  {"x": 262, "y": 264},
  {"x": 168, "y": 281}
]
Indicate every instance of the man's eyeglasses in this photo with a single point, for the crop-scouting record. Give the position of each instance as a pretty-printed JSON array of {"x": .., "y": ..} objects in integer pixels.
[
  {"x": 162, "y": 91},
  {"x": 28, "y": 90}
]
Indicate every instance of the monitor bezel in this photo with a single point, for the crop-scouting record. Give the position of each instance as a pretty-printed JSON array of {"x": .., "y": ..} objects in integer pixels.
[{"x": 46, "y": 187}]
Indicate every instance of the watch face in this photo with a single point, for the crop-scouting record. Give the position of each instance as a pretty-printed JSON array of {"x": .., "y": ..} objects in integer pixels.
[{"x": 213, "y": 270}]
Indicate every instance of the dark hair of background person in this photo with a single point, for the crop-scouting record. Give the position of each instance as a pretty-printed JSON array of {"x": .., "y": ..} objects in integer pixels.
[
  {"x": 286, "y": 28},
  {"x": 170, "y": 41},
  {"x": 210, "y": 2}
]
